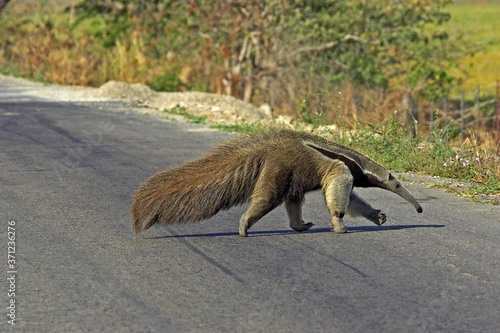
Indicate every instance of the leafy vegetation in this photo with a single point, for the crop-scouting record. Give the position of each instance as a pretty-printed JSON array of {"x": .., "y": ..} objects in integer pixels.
[
  {"x": 166, "y": 82},
  {"x": 264, "y": 50}
]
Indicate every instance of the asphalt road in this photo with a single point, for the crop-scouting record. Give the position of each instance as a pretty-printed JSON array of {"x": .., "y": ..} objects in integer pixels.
[{"x": 67, "y": 175}]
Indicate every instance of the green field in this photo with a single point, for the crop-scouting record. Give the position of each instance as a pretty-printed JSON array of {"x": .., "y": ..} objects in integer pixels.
[{"x": 478, "y": 22}]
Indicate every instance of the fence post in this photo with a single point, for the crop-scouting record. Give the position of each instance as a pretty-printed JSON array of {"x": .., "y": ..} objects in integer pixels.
[
  {"x": 477, "y": 106},
  {"x": 431, "y": 120},
  {"x": 445, "y": 109},
  {"x": 497, "y": 109},
  {"x": 411, "y": 110},
  {"x": 462, "y": 115}
]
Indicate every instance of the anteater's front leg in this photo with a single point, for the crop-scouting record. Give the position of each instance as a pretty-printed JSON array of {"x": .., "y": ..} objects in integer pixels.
[
  {"x": 337, "y": 186},
  {"x": 359, "y": 207}
]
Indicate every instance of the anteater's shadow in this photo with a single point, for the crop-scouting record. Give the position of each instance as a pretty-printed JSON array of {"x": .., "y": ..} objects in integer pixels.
[{"x": 352, "y": 229}]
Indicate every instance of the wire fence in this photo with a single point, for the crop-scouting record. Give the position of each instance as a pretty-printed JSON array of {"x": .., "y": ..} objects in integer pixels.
[{"x": 476, "y": 111}]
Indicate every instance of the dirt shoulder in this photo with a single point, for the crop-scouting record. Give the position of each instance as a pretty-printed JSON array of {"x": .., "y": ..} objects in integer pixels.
[{"x": 217, "y": 109}]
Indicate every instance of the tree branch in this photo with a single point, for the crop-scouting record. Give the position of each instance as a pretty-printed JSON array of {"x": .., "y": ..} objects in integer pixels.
[{"x": 326, "y": 46}]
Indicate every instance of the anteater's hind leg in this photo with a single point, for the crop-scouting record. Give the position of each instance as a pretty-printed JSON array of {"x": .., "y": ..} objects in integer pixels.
[
  {"x": 359, "y": 207},
  {"x": 294, "y": 211},
  {"x": 267, "y": 194},
  {"x": 258, "y": 208},
  {"x": 337, "y": 186}
]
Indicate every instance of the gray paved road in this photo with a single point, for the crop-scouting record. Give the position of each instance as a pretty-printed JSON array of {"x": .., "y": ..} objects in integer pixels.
[{"x": 67, "y": 174}]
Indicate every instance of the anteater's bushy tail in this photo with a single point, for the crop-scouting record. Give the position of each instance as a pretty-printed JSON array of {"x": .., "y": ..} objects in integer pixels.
[{"x": 197, "y": 190}]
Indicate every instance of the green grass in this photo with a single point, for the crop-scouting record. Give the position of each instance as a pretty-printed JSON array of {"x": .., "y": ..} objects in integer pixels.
[
  {"x": 191, "y": 118},
  {"x": 438, "y": 154},
  {"x": 241, "y": 128},
  {"x": 478, "y": 23}
]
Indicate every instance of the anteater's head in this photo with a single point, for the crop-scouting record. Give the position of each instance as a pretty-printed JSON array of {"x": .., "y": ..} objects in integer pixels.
[{"x": 388, "y": 182}]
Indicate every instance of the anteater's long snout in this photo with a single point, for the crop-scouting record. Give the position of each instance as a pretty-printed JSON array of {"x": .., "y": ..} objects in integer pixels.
[
  {"x": 400, "y": 190},
  {"x": 405, "y": 194}
]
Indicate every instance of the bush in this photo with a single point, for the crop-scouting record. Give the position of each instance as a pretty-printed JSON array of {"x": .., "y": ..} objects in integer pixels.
[{"x": 166, "y": 82}]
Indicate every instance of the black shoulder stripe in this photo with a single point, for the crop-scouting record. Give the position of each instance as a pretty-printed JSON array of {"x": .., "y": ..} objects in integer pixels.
[{"x": 354, "y": 167}]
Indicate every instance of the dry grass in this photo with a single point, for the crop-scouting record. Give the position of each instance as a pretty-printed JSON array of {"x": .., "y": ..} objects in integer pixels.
[{"x": 44, "y": 48}]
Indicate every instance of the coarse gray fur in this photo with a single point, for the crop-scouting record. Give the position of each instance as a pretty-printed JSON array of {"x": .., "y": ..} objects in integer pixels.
[{"x": 267, "y": 169}]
